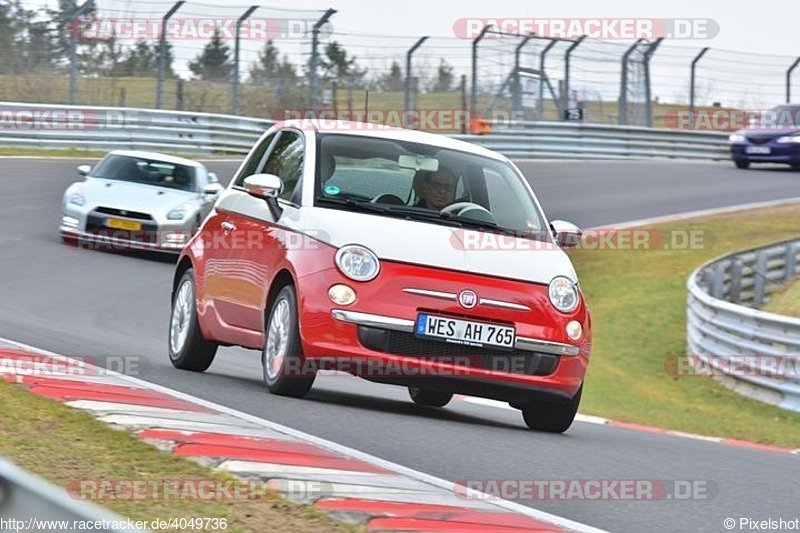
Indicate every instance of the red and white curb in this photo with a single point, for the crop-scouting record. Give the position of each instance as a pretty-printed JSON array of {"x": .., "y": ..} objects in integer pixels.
[
  {"x": 350, "y": 485},
  {"x": 589, "y": 419}
]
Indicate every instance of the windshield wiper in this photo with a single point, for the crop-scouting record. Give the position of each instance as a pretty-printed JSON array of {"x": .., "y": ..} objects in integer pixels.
[
  {"x": 482, "y": 224},
  {"x": 421, "y": 213},
  {"x": 353, "y": 205},
  {"x": 408, "y": 213}
]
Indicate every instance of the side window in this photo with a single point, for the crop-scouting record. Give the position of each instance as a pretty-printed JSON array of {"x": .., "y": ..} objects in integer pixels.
[
  {"x": 286, "y": 161},
  {"x": 253, "y": 163}
]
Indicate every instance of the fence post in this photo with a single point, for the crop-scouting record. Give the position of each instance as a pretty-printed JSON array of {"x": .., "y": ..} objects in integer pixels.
[
  {"x": 162, "y": 53},
  {"x": 622, "y": 115},
  {"x": 73, "y": 49},
  {"x": 313, "y": 79},
  {"x": 236, "y": 48},
  {"x": 735, "y": 292},
  {"x": 464, "y": 109},
  {"x": 407, "y": 82},
  {"x": 516, "y": 99},
  {"x": 790, "y": 260},
  {"x": 718, "y": 280},
  {"x": 567, "y": 55},
  {"x": 648, "y": 54},
  {"x": 691, "y": 79},
  {"x": 474, "y": 94},
  {"x": 789, "y": 80},
  {"x": 542, "y": 78},
  {"x": 760, "y": 278}
]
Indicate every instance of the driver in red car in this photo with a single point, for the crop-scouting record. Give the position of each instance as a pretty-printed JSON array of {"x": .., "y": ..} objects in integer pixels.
[{"x": 435, "y": 190}]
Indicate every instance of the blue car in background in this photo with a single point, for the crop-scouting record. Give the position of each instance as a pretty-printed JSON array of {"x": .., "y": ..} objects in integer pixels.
[{"x": 772, "y": 138}]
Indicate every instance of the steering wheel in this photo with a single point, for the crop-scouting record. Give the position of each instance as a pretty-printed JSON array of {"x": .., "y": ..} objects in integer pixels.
[{"x": 470, "y": 210}]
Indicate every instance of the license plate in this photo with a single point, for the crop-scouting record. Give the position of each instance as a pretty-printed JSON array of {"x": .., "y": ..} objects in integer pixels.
[
  {"x": 465, "y": 332},
  {"x": 123, "y": 224},
  {"x": 757, "y": 150}
]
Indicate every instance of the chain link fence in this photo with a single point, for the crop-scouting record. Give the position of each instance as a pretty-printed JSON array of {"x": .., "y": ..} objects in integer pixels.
[{"x": 284, "y": 63}]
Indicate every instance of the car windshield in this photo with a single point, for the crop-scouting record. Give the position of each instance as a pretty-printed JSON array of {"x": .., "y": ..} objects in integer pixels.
[
  {"x": 388, "y": 177},
  {"x": 146, "y": 171}
]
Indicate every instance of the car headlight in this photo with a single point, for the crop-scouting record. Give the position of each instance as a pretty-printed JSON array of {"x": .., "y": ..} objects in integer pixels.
[
  {"x": 179, "y": 212},
  {"x": 789, "y": 139},
  {"x": 737, "y": 138},
  {"x": 564, "y": 294},
  {"x": 77, "y": 198},
  {"x": 357, "y": 262}
]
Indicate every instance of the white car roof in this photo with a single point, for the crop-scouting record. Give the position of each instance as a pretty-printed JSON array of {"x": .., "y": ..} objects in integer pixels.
[
  {"x": 156, "y": 156},
  {"x": 343, "y": 127}
]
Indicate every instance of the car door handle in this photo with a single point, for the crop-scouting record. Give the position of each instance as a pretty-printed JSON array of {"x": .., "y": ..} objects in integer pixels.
[{"x": 228, "y": 226}]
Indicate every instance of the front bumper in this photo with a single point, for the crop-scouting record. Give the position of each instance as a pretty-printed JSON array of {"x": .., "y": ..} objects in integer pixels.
[
  {"x": 90, "y": 230},
  {"x": 374, "y": 338},
  {"x": 782, "y": 153}
]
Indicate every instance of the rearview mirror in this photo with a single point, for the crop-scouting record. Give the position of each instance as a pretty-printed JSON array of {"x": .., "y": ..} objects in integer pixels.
[
  {"x": 567, "y": 234},
  {"x": 84, "y": 170},
  {"x": 266, "y": 186},
  {"x": 212, "y": 189},
  {"x": 417, "y": 162}
]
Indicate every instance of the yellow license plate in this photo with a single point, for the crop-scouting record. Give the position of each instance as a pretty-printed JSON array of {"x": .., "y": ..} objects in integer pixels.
[{"x": 123, "y": 224}]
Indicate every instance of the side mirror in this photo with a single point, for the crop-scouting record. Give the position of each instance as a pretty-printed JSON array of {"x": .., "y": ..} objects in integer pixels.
[
  {"x": 212, "y": 189},
  {"x": 567, "y": 234},
  {"x": 84, "y": 170},
  {"x": 213, "y": 178},
  {"x": 264, "y": 186}
]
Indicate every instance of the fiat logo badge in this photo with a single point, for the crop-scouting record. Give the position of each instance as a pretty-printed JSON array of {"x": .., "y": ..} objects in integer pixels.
[{"x": 468, "y": 299}]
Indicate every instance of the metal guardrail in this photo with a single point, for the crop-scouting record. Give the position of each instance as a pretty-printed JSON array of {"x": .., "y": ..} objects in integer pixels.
[
  {"x": 107, "y": 128},
  {"x": 28, "y": 503},
  {"x": 570, "y": 140},
  {"x": 724, "y": 325}
]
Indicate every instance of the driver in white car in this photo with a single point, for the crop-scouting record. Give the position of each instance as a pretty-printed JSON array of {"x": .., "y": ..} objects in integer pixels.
[{"x": 435, "y": 190}]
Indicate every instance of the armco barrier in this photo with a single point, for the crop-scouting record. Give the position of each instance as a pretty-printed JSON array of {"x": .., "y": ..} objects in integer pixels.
[
  {"x": 28, "y": 503},
  {"x": 723, "y": 322},
  {"x": 570, "y": 140},
  {"x": 107, "y": 128}
]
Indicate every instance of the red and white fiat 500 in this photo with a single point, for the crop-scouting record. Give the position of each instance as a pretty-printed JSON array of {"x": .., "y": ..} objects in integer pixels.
[{"x": 399, "y": 256}]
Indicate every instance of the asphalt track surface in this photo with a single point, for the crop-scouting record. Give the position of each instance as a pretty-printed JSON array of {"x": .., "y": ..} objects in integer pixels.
[{"x": 86, "y": 303}]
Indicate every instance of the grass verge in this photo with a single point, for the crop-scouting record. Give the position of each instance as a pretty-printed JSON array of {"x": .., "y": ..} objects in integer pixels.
[
  {"x": 638, "y": 304},
  {"x": 65, "y": 446}
]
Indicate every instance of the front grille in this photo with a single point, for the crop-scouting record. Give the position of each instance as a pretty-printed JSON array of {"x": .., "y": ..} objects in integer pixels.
[
  {"x": 97, "y": 226},
  {"x": 123, "y": 213},
  {"x": 406, "y": 344},
  {"x": 761, "y": 139}
]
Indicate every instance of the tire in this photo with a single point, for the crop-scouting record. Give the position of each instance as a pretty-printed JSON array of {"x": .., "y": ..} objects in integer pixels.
[
  {"x": 429, "y": 398},
  {"x": 282, "y": 361},
  {"x": 742, "y": 164},
  {"x": 188, "y": 350},
  {"x": 551, "y": 416}
]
